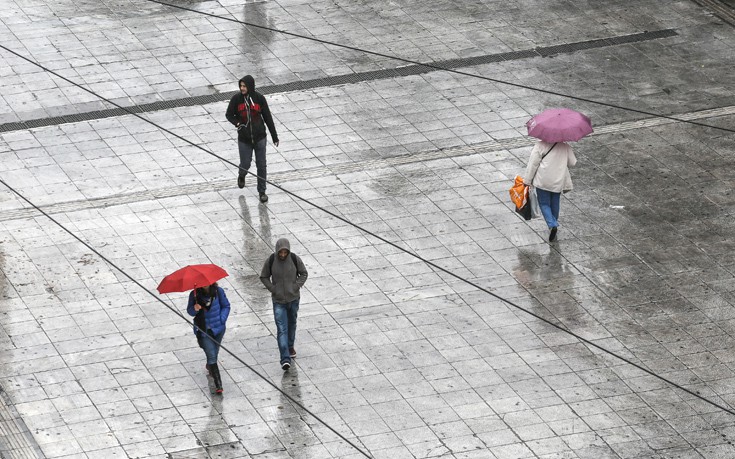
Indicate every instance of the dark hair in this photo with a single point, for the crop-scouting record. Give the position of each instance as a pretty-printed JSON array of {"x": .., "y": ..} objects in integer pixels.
[{"x": 205, "y": 295}]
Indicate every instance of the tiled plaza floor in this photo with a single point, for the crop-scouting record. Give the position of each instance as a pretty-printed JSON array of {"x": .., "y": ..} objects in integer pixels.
[{"x": 402, "y": 359}]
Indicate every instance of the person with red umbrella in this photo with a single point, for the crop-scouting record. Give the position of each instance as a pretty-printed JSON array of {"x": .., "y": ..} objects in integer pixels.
[
  {"x": 209, "y": 306},
  {"x": 551, "y": 157}
]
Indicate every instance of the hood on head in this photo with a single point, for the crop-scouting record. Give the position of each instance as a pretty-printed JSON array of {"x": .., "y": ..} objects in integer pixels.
[
  {"x": 249, "y": 83},
  {"x": 283, "y": 244}
]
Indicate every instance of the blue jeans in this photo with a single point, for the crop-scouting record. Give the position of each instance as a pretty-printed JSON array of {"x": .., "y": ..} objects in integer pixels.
[
  {"x": 286, "y": 315},
  {"x": 246, "y": 158},
  {"x": 211, "y": 349},
  {"x": 548, "y": 201}
]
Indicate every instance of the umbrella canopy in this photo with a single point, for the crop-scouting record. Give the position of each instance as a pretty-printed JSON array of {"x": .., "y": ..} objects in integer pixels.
[
  {"x": 191, "y": 277},
  {"x": 559, "y": 125}
]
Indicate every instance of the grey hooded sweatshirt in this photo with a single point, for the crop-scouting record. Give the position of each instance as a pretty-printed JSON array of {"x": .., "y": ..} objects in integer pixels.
[{"x": 286, "y": 278}]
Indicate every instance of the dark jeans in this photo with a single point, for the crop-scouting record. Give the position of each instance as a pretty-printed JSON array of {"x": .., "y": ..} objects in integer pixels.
[
  {"x": 548, "y": 201},
  {"x": 246, "y": 158},
  {"x": 286, "y": 315},
  {"x": 211, "y": 349}
]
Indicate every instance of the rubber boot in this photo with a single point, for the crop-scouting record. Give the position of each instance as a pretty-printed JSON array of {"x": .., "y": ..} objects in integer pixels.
[{"x": 214, "y": 370}]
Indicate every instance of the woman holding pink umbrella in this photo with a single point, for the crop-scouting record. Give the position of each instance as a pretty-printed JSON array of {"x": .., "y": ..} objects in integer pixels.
[
  {"x": 548, "y": 172},
  {"x": 551, "y": 157}
]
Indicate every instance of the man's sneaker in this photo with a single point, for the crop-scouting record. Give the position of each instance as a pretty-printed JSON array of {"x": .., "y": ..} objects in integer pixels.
[
  {"x": 285, "y": 366},
  {"x": 292, "y": 351},
  {"x": 241, "y": 181},
  {"x": 263, "y": 197}
]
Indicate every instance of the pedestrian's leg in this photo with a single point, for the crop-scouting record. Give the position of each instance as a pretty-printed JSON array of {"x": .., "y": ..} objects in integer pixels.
[
  {"x": 246, "y": 158},
  {"x": 200, "y": 342},
  {"x": 214, "y": 368},
  {"x": 260, "y": 165},
  {"x": 293, "y": 314},
  {"x": 214, "y": 371},
  {"x": 218, "y": 342},
  {"x": 544, "y": 202},
  {"x": 555, "y": 203},
  {"x": 210, "y": 350},
  {"x": 281, "y": 317}
]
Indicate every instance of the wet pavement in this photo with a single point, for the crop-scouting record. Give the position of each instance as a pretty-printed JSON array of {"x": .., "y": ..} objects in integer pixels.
[{"x": 401, "y": 359}]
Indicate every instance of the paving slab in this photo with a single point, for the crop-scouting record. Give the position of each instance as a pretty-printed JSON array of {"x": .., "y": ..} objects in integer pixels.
[{"x": 399, "y": 357}]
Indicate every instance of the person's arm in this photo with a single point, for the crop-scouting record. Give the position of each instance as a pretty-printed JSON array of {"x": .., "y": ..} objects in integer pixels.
[
  {"x": 301, "y": 273},
  {"x": 268, "y": 118},
  {"x": 265, "y": 275},
  {"x": 571, "y": 159},
  {"x": 231, "y": 113},
  {"x": 224, "y": 305},
  {"x": 191, "y": 308}
]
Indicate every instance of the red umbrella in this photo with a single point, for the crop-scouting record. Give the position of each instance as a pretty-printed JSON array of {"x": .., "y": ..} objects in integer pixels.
[
  {"x": 191, "y": 277},
  {"x": 559, "y": 125}
]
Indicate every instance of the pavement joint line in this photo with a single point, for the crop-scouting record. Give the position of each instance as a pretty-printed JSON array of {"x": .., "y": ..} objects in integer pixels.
[
  {"x": 345, "y": 168},
  {"x": 352, "y": 78}
]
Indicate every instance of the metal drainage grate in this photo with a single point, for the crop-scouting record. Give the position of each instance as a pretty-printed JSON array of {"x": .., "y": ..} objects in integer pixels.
[
  {"x": 725, "y": 10},
  {"x": 414, "y": 69},
  {"x": 16, "y": 442}
]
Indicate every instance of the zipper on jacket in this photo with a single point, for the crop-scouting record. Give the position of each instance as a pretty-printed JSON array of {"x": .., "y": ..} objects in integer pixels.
[{"x": 250, "y": 119}]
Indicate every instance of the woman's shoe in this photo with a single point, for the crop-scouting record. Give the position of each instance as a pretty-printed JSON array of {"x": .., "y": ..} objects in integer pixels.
[{"x": 552, "y": 234}]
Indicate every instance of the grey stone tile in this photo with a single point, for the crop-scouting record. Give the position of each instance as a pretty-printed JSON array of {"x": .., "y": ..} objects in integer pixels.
[{"x": 377, "y": 329}]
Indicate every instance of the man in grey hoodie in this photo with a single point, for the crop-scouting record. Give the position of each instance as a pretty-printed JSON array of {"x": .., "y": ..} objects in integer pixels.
[{"x": 284, "y": 274}]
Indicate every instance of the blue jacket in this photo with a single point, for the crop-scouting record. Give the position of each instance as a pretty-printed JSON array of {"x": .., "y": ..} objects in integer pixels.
[{"x": 218, "y": 312}]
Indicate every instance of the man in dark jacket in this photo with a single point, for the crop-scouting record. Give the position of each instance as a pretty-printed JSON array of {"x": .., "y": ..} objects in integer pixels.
[
  {"x": 249, "y": 112},
  {"x": 284, "y": 274}
]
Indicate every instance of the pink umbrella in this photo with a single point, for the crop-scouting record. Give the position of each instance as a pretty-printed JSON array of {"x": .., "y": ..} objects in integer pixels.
[{"x": 559, "y": 125}]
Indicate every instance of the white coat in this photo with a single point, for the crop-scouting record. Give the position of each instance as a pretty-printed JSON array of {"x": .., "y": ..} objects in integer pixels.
[{"x": 551, "y": 173}]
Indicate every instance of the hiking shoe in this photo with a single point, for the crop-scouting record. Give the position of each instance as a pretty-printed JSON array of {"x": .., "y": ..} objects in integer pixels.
[
  {"x": 285, "y": 366},
  {"x": 552, "y": 234},
  {"x": 263, "y": 197},
  {"x": 292, "y": 351},
  {"x": 241, "y": 181}
]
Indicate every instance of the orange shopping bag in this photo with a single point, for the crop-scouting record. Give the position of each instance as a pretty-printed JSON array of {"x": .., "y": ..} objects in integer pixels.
[
  {"x": 520, "y": 196},
  {"x": 519, "y": 192}
]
